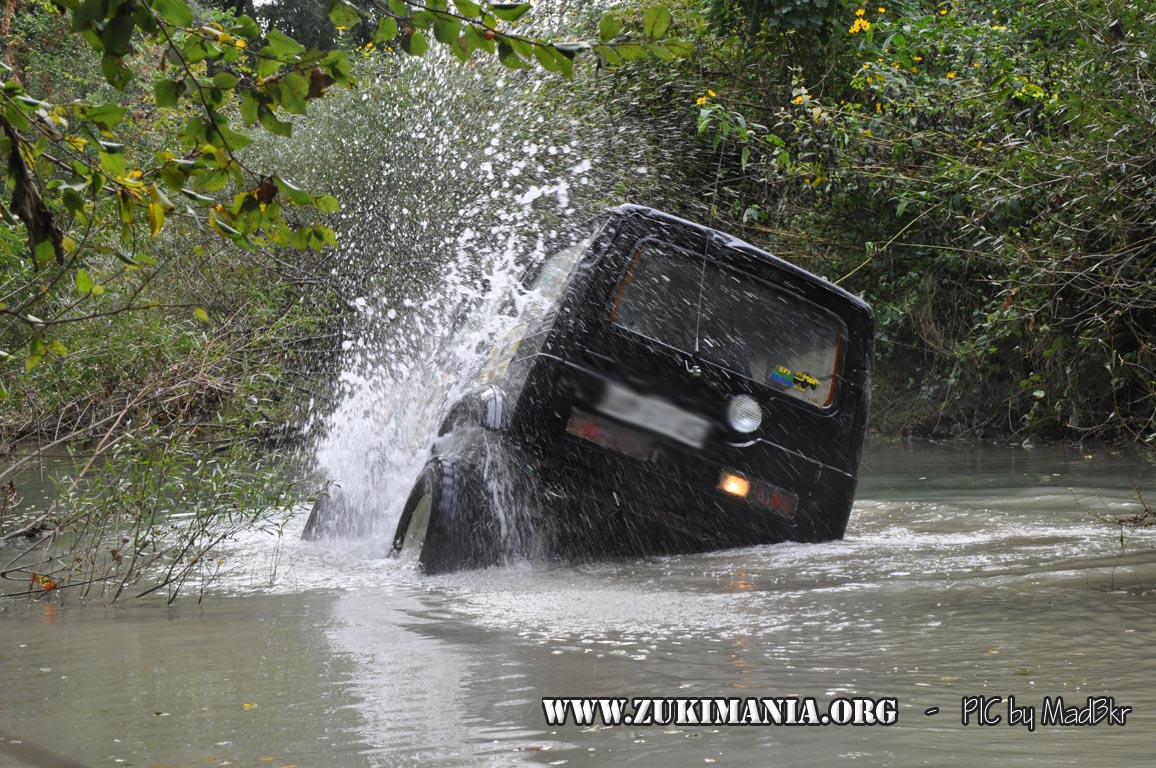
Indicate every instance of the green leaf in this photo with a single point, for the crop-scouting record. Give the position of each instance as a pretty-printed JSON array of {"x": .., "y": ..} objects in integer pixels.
[
  {"x": 509, "y": 11},
  {"x": 45, "y": 251},
  {"x": 113, "y": 163},
  {"x": 73, "y": 199},
  {"x": 115, "y": 72},
  {"x": 281, "y": 45},
  {"x": 267, "y": 63},
  {"x": 659, "y": 52},
  {"x": 294, "y": 92},
  {"x": 386, "y": 30},
  {"x": 83, "y": 281},
  {"x": 342, "y": 15},
  {"x": 680, "y": 48},
  {"x": 314, "y": 237},
  {"x": 117, "y": 35},
  {"x": 608, "y": 27},
  {"x": 523, "y": 48},
  {"x": 469, "y": 9},
  {"x": 225, "y": 80},
  {"x": 608, "y": 55},
  {"x": 107, "y": 116},
  {"x": 295, "y": 194},
  {"x": 250, "y": 105},
  {"x": 271, "y": 124},
  {"x": 548, "y": 58},
  {"x": 631, "y": 51},
  {"x": 174, "y": 12},
  {"x": 16, "y": 117},
  {"x": 415, "y": 43},
  {"x": 245, "y": 26},
  {"x": 168, "y": 92},
  {"x": 201, "y": 315},
  {"x": 656, "y": 22},
  {"x": 447, "y": 29},
  {"x": 327, "y": 204},
  {"x": 476, "y": 38},
  {"x": 509, "y": 58}
]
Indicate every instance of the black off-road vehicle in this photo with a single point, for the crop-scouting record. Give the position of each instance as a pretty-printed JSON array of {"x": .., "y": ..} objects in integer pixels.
[{"x": 669, "y": 388}]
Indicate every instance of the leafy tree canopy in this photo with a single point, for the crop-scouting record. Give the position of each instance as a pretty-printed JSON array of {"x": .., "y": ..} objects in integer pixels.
[{"x": 80, "y": 191}]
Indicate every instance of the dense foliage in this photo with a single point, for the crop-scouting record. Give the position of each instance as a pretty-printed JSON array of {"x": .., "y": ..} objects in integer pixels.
[
  {"x": 980, "y": 172},
  {"x": 167, "y": 295}
]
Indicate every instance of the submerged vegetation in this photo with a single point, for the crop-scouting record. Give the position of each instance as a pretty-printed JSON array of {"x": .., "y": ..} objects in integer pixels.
[{"x": 177, "y": 276}]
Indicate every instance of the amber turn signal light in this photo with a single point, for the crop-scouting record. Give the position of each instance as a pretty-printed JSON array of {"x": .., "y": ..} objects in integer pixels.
[{"x": 734, "y": 485}]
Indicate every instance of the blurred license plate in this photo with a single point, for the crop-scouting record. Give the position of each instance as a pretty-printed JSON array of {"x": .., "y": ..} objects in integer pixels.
[{"x": 654, "y": 414}]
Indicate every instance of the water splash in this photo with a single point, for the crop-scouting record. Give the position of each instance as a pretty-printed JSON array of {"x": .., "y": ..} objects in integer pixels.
[{"x": 453, "y": 180}]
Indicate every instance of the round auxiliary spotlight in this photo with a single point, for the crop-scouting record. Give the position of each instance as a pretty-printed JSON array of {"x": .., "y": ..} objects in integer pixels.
[{"x": 744, "y": 413}]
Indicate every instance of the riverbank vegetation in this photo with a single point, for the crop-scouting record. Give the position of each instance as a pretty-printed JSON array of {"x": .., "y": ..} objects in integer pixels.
[
  {"x": 979, "y": 171},
  {"x": 173, "y": 297}
]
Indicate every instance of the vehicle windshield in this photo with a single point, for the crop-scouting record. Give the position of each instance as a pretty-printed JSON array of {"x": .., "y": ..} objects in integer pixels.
[{"x": 770, "y": 336}]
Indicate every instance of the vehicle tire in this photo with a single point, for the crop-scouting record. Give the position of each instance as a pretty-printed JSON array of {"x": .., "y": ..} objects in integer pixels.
[
  {"x": 448, "y": 521},
  {"x": 321, "y": 518}
]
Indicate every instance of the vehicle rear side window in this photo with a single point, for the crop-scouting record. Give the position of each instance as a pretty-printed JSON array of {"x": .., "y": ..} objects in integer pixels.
[{"x": 768, "y": 335}]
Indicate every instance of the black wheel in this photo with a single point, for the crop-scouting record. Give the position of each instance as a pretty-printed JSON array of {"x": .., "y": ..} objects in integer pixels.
[{"x": 448, "y": 523}]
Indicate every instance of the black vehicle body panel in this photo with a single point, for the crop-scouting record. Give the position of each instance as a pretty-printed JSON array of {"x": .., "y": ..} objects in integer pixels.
[{"x": 662, "y": 494}]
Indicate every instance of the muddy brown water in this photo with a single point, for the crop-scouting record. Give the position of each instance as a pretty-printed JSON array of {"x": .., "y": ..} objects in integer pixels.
[{"x": 967, "y": 571}]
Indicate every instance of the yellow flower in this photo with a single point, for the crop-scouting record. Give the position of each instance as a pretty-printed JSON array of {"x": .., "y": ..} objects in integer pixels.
[
  {"x": 711, "y": 93},
  {"x": 879, "y": 107},
  {"x": 798, "y": 99},
  {"x": 917, "y": 58},
  {"x": 915, "y": 69},
  {"x": 240, "y": 42},
  {"x": 701, "y": 101},
  {"x": 942, "y": 11},
  {"x": 882, "y": 9},
  {"x": 860, "y": 12},
  {"x": 950, "y": 75}
]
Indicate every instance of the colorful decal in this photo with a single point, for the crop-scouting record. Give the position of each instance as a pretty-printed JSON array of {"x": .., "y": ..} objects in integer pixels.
[
  {"x": 796, "y": 379},
  {"x": 782, "y": 375},
  {"x": 803, "y": 381}
]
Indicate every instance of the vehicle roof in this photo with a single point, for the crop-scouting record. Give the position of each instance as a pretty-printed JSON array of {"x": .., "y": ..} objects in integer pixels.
[{"x": 730, "y": 241}]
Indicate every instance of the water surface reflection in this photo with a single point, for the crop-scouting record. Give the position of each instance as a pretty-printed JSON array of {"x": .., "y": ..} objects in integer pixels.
[{"x": 967, "y": 570}]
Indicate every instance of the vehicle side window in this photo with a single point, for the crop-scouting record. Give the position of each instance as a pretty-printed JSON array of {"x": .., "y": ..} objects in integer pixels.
[{"x": 552, "y": 277}]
